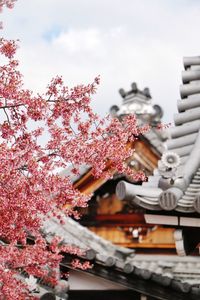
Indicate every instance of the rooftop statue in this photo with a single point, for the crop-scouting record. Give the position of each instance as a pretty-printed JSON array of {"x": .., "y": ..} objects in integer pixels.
[{"x": 138, "y": 102}]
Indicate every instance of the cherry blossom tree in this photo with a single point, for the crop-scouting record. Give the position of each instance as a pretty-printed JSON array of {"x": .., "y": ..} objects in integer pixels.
[{"x": 40, "y": 134}]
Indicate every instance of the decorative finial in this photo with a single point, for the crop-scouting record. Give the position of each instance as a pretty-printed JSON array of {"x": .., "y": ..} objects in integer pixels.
[
  {"x": 134, "y": 87},
  {"x": 122, "y": 93}
]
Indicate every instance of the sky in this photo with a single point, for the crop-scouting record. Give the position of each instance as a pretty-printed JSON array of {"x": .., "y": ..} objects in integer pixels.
[{"x": 123, "y": 41}]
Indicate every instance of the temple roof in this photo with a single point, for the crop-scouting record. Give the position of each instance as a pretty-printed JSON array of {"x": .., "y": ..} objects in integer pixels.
[
  {"x": 175, "y": 184},
  {"x": 122, "y": 265},
  {"x": 76, "y": 235}
]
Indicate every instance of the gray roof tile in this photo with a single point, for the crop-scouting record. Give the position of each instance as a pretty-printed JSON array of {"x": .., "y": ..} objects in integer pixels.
[
  {"x": 180, "y": 273},
  {"x": 184, "y": 141}
]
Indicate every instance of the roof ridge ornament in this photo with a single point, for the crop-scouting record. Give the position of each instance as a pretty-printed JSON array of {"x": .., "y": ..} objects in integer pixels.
[
  {"x": 170, "y": 159},
  {"x": 139, "y": 102},
  {"x": 168, "y": 165}
]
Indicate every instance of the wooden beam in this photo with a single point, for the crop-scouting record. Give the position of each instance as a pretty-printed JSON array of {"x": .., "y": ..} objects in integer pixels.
[{"x": 134, "y": 219}]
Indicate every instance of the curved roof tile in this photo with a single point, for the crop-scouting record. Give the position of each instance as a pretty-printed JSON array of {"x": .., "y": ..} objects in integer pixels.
[{"x": 176, "y": 187}]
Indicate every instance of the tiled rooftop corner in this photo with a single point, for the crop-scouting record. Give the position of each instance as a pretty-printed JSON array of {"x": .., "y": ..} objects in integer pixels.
[{"x": 177, "y": 183}]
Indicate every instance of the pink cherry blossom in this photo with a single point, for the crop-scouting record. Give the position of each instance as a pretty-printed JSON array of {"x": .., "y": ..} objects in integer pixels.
[
  {"x": 39, "y": 135},
  {"x": 77, "y": 264}
]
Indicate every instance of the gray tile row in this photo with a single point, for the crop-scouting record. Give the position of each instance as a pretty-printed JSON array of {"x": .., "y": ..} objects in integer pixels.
[{"x": 177, "y": 182}]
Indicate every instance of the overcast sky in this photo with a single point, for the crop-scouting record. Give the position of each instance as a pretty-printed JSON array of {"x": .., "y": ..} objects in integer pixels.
[{"x": 122, "y": 40}]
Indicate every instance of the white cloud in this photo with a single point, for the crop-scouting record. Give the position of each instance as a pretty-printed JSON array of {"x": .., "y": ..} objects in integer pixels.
[
  {"x": 79, "y": 41},
  {"x": 122, "y": 40}
]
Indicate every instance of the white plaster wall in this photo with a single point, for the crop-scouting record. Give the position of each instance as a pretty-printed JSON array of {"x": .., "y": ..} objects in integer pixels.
[{"x": 82, "y": 281}]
